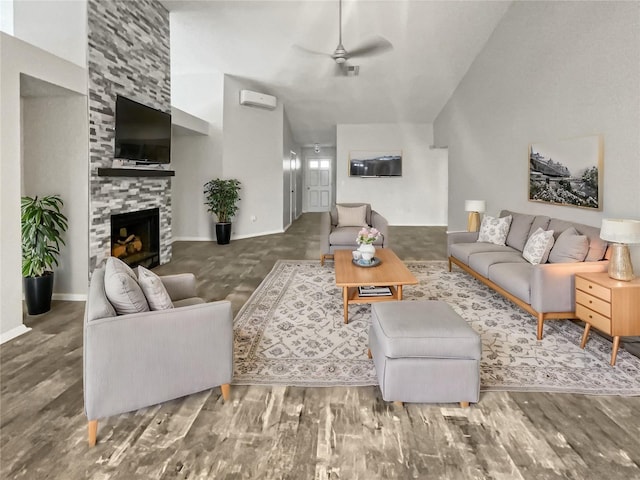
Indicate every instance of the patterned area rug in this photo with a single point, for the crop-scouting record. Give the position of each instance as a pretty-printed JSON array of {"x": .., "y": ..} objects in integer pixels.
[{"x": 291, "y": 332}]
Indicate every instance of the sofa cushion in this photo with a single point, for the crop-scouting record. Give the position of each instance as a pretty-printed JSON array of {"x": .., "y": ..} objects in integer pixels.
[
  {"x": 515, "y": 278},
  {"x": 538, "y": 246},
  {"x": 122, "y": 289},
  {"x": 597, "y": 246},
  {"x": 98, "y": 305},
  {"x": 481, "y": 262},
  {"x": 570, "y": 247},
  {"x": 520, "y": 229},
  {"x": 462, "y": 251},
  {"x": 352, "y": 216},
  {"x": 494, "y": 230},
  {"x": 154, "y": 290}
]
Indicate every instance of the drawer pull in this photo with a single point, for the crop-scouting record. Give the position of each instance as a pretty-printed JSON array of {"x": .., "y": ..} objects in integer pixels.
[
  {"x": 590, "y": 286},
  {"x": 590, "y": 301},
  {"x": 591, "y": 316}
]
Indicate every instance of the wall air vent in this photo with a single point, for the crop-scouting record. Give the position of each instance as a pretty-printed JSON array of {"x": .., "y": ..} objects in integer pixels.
[{"x": 255, "y": 99}]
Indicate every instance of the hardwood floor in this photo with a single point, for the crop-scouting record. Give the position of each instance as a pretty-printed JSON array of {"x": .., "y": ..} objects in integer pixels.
[{"x": 291, "y": 432}]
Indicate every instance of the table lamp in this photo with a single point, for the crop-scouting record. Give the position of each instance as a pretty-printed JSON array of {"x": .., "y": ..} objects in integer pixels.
[
  {"x": 475, "y": 208},
  {"x": 621, "y": 233}
]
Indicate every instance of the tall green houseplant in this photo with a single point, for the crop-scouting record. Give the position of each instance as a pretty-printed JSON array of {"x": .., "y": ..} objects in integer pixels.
[
  {"x": 221, "y": 199},
  {"x": 42, "y": 227}
]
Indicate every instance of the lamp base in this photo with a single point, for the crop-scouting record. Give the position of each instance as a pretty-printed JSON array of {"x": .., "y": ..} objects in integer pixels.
[
  {"x": 473, "y": 224},
  {"x": 620, "y": 266}
]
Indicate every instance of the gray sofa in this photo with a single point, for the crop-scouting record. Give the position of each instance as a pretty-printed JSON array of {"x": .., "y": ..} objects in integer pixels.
[
  {"x": 136, "y": 360},
  {"x": 333, "y": 237},
  {"x": 545, "y": 290}
]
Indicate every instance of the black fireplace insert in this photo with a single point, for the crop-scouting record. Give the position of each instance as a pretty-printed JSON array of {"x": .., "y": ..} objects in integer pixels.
[{"x": 135, "y": 237}]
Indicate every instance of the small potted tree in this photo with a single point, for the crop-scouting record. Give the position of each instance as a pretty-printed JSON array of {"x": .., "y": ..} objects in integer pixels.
[
  {"x": 221, "y": 198},
  {"x": 42, "y": 227}
]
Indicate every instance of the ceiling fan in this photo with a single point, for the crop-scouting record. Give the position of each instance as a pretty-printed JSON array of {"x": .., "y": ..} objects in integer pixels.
[{"x": 374, "y": 46}]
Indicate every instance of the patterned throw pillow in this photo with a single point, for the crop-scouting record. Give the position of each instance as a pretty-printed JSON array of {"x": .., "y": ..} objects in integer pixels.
[
  {"x": 352, "y": 216},
  {"x": 494, "y": 230},
  {"x": 538, "y": 246},
  {"x": 154, "y": 290}
]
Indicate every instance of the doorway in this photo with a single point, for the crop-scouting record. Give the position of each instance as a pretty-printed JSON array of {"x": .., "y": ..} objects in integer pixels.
[{"x": 318, "y": 184}]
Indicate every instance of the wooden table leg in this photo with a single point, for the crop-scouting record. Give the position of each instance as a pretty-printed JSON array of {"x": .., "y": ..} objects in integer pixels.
[
  {"x": 585, "y": 335},
  {"x": 399, "y": 290},
  {"x": 614, "y": 352},
  {"x": 345, "y": 299}
]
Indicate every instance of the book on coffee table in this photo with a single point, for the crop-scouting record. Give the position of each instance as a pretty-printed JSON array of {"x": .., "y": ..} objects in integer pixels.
[{"x": 374, "y": 291}]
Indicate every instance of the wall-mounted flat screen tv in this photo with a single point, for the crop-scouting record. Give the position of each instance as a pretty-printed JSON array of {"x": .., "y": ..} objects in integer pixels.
[
  {"x": 143, "y": 133},
  {"x": 375, "y": 164}
]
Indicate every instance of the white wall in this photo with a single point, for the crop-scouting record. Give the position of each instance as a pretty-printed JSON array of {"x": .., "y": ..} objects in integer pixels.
[
  {"x": 57, "y": 26},
  {"x": 6, "y": 16},
  {"x": 252, "y": 153},
  {"x": 55, "y": 162},
  {"x": 195, "y": 159},
  {"x": 19, "y": 57},
  {"x": 419, "y": 197},
  {"x": 551, "y": 70}
]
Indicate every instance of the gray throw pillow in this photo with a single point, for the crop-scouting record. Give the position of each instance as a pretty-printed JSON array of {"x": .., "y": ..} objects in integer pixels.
[
  {"x": 122, "y": 289},
  {"x": 154, "y": 290},
  {"x": 570, "y": 247}
]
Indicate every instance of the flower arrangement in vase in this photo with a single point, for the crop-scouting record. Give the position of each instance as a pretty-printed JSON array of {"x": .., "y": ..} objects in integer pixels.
[{"x": 366, "y": 237}]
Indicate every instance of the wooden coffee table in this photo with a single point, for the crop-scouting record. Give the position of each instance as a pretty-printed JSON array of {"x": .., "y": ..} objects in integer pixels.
[{"x": 390, "y": 273}]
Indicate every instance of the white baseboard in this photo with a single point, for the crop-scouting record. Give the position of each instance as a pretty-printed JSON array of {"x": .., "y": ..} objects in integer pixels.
[
  {"x": 233, "y": 237},
  {"x": 13, "y": 333},
  {"x": 70, "y": 297}
]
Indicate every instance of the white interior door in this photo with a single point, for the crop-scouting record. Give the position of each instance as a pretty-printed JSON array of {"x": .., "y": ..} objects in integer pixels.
[
  {"x": 318, "y": 180},
  {"x": 293, "y": 163}
]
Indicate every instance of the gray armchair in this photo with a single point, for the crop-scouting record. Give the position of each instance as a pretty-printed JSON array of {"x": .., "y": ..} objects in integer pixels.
[
  {"x": 334, "y": 238},
  {"x": 137, "y": 360}
]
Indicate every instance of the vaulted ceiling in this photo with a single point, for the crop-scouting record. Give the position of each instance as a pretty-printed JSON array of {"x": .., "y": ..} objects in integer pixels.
[{"x": 434, "y": 44}]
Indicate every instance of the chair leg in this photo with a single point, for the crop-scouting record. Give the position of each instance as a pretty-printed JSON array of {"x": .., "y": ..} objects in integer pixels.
[
  {"x": 540, "y": 325},
  {"x": 322, "y": 259},
  {"x": 369, "y": 353},
  {"x": 92, "y": 429},
  {"x": 464, "y": 404},
  {"x": 226, "y": 390}
]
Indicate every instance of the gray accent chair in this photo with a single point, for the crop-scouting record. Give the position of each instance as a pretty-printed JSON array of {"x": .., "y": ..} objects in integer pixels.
[
  {"x": 334, "y": 238},
  {"x": 137, "y": 360}
]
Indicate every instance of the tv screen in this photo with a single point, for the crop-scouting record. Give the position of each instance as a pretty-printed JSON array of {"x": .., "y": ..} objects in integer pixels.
[
  {"x": 375, "y": 164},
  {"x": 142, "y": 133}
]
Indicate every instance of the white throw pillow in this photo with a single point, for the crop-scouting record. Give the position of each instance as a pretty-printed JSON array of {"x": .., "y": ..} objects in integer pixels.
[
  {"x": 494, "y": 230},
  {"x": 122, "y": 289},
  {"x": 538, "y": 246},
  {"x": 352, "y": 216},
  {"x": 153, "y": 288}
]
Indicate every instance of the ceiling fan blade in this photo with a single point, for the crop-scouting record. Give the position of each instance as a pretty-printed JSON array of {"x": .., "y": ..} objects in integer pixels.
[
  {"x": 374, "y": 46},
  {"x": 312, "y": 52}
]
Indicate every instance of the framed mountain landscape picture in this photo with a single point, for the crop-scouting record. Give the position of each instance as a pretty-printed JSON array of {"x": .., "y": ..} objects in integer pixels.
[{"x": 567, "y": 172}]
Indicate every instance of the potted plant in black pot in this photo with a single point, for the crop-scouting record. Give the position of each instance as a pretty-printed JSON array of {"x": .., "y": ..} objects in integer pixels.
[
  {"x": 42, "y": 227},
  {"x": 221, "y": 198}
]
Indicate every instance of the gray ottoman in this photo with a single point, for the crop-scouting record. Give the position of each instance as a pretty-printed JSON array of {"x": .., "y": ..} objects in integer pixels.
[{"x": 424, "y": 352}]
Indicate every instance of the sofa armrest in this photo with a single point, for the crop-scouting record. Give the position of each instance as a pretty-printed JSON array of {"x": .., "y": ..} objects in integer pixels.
[
  {"x": 325, "y": 231},
  {"x": 553, "y": 284},
  {"x": 460, "y": 237},
  {"x": 382, "y": 225},
  {"x": 133, "y": 361},
  {"x": 180, "y": 286}
]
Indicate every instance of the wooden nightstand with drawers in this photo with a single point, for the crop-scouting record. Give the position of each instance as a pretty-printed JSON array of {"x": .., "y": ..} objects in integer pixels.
[{"x": 611, "y": 306}]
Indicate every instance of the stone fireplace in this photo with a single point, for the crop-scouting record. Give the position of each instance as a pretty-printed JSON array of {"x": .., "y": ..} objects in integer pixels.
[{"x": 135, "y": 237}]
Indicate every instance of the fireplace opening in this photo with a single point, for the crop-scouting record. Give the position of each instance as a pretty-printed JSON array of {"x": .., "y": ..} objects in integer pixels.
[{"x": 135, "y": 237}]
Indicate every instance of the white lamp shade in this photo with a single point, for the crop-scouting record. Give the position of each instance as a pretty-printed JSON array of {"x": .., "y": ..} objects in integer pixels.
[
  {"x": 618, "y": 230},
  {"x": 474, "y": 206}
]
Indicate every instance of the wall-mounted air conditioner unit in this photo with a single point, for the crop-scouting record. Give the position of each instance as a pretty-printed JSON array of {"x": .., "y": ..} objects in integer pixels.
[{"x": 255, "y": 99}]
